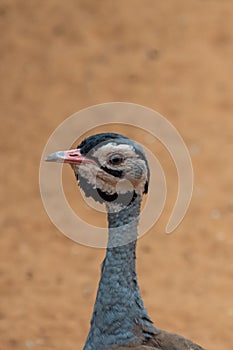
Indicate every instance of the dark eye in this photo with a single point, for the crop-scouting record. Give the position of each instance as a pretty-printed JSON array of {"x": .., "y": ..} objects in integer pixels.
[{"x": 116, "y": 159}]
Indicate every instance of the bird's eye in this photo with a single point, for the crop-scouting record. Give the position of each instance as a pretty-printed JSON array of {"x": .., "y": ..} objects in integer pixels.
[{"x": 116, "y": 159}]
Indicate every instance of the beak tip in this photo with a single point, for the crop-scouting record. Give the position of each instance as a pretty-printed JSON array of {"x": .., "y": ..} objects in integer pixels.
[{"x": 55, "y": 157}]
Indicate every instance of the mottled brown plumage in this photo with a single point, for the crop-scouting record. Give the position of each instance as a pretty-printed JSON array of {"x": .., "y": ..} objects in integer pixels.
[{"x": 163, "y": 340}]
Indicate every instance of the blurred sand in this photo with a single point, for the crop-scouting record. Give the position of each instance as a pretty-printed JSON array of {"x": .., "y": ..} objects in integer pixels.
[{"x": 59, "y": 57}]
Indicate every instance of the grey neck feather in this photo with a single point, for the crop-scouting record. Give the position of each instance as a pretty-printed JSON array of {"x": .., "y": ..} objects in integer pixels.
[{"x": 119, "y": 316}]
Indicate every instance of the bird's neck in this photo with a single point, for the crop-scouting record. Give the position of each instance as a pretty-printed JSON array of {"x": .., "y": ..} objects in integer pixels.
[{"x": 119, "y": 313}]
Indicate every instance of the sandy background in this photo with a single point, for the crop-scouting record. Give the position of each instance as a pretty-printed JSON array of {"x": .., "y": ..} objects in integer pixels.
[{"x": 59, "y": 57}]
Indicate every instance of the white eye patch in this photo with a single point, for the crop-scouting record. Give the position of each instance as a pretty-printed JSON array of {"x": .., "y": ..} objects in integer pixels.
[{"x": 103, "y": 152}]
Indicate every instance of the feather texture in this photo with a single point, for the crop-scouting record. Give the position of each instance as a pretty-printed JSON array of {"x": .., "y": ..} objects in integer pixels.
[{"x": 119, "y": 320}]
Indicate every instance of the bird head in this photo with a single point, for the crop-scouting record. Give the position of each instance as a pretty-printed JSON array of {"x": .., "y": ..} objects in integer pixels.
[{"x": 108, "y": 167}]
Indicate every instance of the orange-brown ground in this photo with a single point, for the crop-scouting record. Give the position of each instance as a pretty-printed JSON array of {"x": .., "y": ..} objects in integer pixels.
[{"x": 58, "y": 57}]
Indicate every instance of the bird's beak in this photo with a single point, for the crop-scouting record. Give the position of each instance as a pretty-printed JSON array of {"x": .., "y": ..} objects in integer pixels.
[{"x": 72, "y": 156}]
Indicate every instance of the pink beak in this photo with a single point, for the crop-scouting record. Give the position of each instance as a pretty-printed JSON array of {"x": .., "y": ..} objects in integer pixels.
[{"x": 72, "y": 156}]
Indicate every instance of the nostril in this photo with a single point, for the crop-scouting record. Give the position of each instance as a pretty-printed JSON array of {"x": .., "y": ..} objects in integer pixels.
[{"x": 73, "y": 155}]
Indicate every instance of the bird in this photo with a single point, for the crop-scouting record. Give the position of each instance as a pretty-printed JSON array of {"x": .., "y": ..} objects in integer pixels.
[{"x": 113, "y": 170}]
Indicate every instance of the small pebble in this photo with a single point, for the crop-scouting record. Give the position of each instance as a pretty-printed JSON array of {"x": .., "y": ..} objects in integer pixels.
[
  {"x": 29, "y": 344},
  {"x": 215, "y": 214},
  {"x": 152, "y": 54},
  {"x": 29, "y": 275}
]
